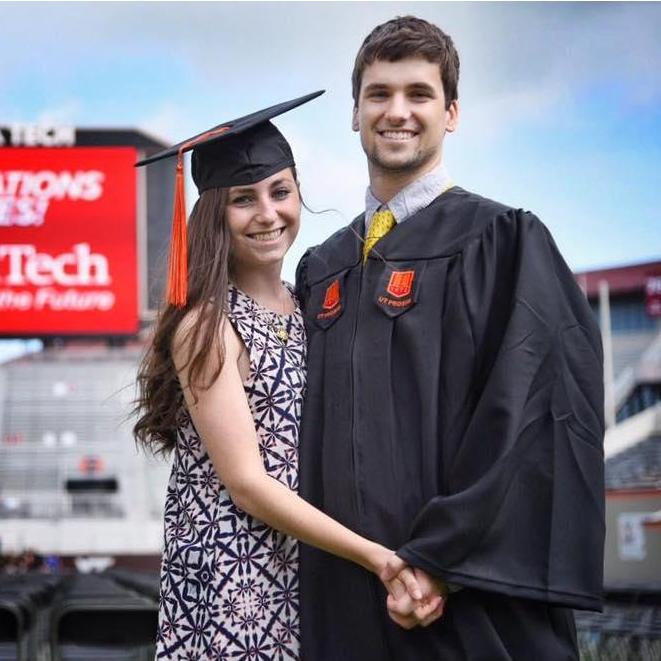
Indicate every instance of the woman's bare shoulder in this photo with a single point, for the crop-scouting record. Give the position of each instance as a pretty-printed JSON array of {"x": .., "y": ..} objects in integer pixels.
[{"x": 198, "y": 318}]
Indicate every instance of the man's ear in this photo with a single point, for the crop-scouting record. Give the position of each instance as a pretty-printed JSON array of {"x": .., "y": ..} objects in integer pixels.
[
  {"x": 452, "y": 119},
  {"x": 355, "y": 125}
]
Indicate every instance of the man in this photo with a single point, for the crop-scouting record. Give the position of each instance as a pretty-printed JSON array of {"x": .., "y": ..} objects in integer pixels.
[{"x": 454, "y": 402}]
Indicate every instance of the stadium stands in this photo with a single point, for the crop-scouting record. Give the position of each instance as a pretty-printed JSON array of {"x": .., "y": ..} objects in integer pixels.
[
  {"x": 83, "y": 617},
  {"x": 629, "y": 629},
  {"x": 24, "y": 612},
  {"x": 99, "y": 618}
]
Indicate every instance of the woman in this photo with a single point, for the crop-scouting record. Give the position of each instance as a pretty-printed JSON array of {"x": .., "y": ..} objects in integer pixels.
[{"x": 222, "y": 387}]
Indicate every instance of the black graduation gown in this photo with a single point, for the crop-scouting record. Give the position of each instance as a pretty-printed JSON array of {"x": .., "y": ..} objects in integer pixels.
[{"x": 454, "y": 413}]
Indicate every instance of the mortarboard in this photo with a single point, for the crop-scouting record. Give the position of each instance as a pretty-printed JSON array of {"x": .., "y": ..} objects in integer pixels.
[{"x": 236, "y": 153}]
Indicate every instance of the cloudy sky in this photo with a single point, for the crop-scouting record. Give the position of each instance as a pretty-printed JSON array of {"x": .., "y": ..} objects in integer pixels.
[{"x": 560, "y": 102}]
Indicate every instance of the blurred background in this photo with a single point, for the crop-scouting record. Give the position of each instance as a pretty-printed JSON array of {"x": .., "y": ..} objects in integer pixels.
[{"x": 560, "y": 114}]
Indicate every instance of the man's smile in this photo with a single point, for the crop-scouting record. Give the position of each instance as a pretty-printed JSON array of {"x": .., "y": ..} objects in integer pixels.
[{"x": 391, "y": 134}]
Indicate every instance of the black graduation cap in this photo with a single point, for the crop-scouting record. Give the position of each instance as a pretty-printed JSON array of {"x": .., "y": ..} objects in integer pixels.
[
  {"x": 236, "y": 153},
  {"x": 239, "y": 152}
]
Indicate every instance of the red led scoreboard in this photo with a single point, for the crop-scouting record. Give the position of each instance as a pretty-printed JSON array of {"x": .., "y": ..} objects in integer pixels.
[{"x": 69, "y": 257}]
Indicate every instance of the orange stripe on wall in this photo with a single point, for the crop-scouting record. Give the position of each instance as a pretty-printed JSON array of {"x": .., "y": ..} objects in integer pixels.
[
  {"x": 632, "y": 493},
  {"x": 655, "y": 525}
]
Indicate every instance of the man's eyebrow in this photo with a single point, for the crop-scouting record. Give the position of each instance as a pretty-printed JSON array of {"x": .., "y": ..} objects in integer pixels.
[
  {"x": 422, "y": 86},
  {"x": 375, "y": 86}
]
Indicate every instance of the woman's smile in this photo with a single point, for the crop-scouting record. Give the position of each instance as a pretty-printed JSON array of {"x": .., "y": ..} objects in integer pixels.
[{"x": 269, "y": 236}]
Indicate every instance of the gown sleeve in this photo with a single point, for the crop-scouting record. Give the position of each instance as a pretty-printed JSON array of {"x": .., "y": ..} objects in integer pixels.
[
  {"x": 522, "y": 511},
  {"x": 301, "y": 285}
]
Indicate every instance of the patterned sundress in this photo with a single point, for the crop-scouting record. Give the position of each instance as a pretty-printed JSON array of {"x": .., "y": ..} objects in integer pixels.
[{"x": 229, "y": 583}]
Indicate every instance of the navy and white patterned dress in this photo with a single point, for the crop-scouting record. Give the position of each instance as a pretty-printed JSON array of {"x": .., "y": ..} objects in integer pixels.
[{"x": 229, "y": 583}]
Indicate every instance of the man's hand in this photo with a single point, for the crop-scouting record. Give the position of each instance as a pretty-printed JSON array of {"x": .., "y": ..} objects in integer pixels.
[{"x": 403, "y": 607}]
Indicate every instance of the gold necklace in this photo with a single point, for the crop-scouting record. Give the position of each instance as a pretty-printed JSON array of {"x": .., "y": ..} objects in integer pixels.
[
  {"x": 282, "y": 334},
  {"x": 280, "y": 329}
]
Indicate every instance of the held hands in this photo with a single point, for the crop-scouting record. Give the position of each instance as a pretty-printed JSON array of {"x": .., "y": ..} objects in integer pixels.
[{"x": 415, "y": 598}]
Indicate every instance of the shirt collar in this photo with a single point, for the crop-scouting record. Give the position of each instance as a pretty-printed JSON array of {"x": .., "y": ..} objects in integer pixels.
[{"x": 412, "y": 198}]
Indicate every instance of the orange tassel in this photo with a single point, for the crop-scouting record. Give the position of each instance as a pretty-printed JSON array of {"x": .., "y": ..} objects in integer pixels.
[{"x": 177, "y": 290}]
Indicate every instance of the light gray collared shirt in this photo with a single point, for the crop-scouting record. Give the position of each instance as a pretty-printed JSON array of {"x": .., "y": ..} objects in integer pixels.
[{"x": 412, "y": 198}]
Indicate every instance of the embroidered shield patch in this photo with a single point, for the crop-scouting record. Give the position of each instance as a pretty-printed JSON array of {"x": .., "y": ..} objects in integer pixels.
[
  {"x": 327, "y": 301},
  {"x": 398, "y": 290},
  {"x": 332, "y": 297},
  {"x": 400, "y": 283}
]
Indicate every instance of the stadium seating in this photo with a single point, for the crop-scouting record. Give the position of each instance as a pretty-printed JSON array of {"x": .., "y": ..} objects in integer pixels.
[
  {"x": 98, "y": 618},
  {"x": 24, "y": 613},
  {"x": 82, "y": 617}
]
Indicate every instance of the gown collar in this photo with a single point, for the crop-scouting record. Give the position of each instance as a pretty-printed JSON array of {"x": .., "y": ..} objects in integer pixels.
[{"x": 439, "y": 230}]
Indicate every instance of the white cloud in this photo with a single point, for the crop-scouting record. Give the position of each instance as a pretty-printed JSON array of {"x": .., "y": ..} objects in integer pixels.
[
  {"x": 169, "y": 123},
  {"x": 65, "y": 113}
]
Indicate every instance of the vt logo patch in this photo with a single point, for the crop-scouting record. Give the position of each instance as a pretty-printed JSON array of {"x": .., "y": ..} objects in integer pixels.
[
  {"x": 398, "y": 288},
  {"x": 400, "y": 283},
  {"x": 332, "y": 297},
  {"x": 327, "y": 302}
]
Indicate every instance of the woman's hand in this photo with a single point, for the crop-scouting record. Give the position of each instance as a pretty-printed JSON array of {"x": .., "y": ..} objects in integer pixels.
[
  {"x": 403, "y": 581},
  {"x": 404, "y": 607}
]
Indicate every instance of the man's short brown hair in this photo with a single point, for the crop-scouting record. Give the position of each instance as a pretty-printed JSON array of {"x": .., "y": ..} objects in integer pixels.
[{"x": 408, "y": 36}]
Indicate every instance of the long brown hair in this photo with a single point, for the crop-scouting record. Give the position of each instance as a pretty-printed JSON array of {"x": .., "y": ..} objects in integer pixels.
[{"x": 159, "y": 394}]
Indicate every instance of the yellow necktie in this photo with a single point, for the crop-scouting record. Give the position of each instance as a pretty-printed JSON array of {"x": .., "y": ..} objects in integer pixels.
[{"x": 382, "y": 223}]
